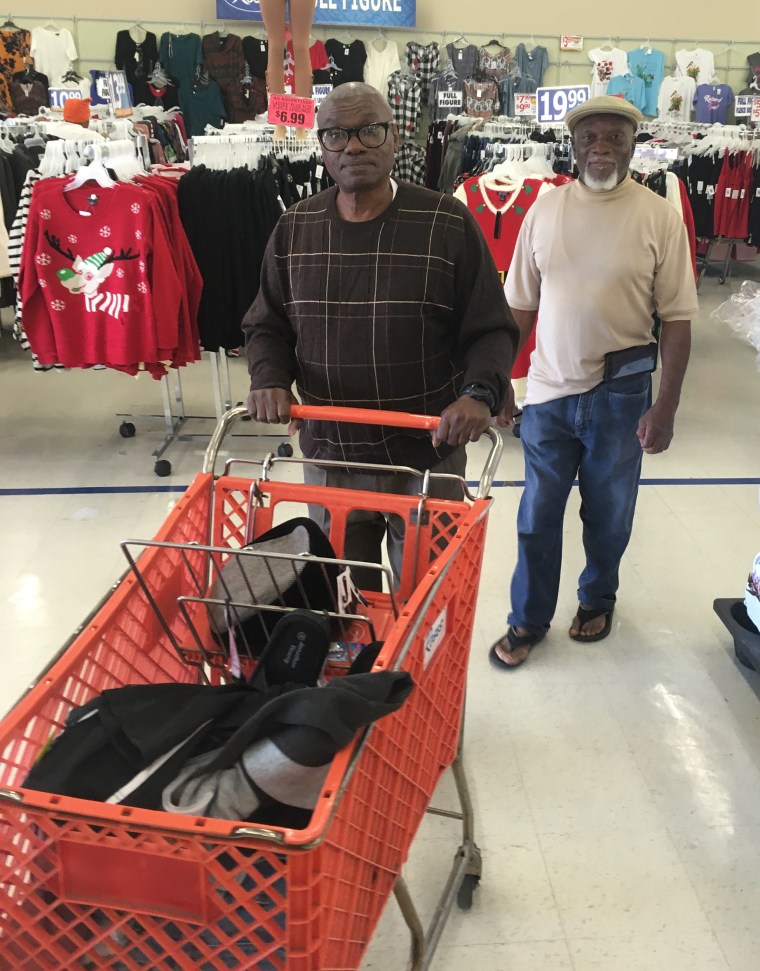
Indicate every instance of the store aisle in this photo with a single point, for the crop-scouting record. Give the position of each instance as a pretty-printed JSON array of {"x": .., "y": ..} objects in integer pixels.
[{"x": 617, "y": 785}]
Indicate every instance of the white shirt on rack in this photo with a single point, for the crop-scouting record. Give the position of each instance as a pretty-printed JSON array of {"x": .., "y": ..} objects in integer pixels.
[
  {"x": 607, "y": 64},
  {"x": 54, "y": 52},
  {"x": 675, "y": 98},
  {"x": 697, "y": 64},
  {"x": 380, "y": 64}
]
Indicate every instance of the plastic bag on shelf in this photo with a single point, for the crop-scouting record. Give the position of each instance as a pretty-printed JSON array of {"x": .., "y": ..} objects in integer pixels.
[{"x": 742, "y": 314}]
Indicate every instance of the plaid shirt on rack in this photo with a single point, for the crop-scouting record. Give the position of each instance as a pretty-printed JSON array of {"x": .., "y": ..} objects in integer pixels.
[
  {"x": 410, "y": 164},
  {"x": 405, "y": 99},
  {"x": 422, "y": 60}
]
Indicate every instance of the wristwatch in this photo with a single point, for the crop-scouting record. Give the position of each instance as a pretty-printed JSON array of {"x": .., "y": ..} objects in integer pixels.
[{"x": 479, "y": 392}]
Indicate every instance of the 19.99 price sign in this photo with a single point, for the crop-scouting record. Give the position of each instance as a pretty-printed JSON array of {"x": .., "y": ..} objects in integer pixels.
[
  {"x": 554, "y": 103},
  {"x": 286, "y": 109}
]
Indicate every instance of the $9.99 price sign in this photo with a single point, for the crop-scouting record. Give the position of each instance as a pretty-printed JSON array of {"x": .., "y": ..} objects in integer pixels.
[
  {"x": 554, "y": 103},
  {"x": 286, "y": 109}
]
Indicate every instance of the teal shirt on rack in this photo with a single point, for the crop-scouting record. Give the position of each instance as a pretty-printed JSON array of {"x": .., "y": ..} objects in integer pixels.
[
  {"x": 201, "y": 105},
  {"x": 180, "y": 55},
  {"x": 649, "y": 65},
  {"x": 631, "y": 88}
]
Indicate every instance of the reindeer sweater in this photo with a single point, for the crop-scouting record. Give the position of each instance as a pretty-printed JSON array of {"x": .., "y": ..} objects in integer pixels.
[{"x": 99, "y": 281}]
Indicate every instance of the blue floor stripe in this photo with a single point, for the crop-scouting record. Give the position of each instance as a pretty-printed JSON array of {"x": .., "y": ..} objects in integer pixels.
[
  {"x": 92, "y": 490},
  {"x": 498, "y": 484},
  {"x": 502, "y": 483}
]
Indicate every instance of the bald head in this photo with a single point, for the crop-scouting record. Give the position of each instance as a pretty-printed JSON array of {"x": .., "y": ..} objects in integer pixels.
[
  {"x": 350, "y": 97},
  {"x": 357, "y": 167}
]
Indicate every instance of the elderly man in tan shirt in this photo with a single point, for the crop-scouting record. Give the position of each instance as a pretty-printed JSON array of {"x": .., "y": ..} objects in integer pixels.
[{"x": 595, "y": 260}]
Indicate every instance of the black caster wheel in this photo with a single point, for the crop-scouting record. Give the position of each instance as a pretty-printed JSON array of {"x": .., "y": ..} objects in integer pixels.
[
  {"x": 466, "y": 890},
  {"x": 285, "y": 450},
  {"x": 127, "y": 429},
  {"x": 162, "y": 468}
]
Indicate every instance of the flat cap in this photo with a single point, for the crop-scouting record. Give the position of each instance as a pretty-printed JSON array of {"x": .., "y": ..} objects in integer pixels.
[{"x": 603, "y": 104}]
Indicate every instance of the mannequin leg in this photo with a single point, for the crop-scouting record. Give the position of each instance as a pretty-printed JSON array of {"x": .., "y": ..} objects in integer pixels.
[
  {"x": 273, "y": 15},
  {"x": 301, "y": 17}
]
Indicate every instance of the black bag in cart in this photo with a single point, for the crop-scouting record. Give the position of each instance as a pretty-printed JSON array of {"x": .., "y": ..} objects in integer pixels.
[{"x": 264, "y": 581}]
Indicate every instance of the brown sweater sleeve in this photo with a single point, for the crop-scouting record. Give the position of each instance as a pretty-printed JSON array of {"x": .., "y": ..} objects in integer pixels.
[{"x": 270, "y": 340}]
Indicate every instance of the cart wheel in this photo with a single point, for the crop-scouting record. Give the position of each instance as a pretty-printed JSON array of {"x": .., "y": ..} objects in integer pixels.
[
  {"x": 162, "y": 468},
  {"x": 127, "y": 429},
  {"x": 285, "y": 450},
  {"x": 466, "y": 889},
  {"x": 722, "y": 281}
]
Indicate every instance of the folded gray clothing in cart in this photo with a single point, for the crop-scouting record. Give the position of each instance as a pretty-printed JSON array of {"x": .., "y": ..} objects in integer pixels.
[
  {"x": 287, "y": 766},
  {"x": 129, "y": 745}
]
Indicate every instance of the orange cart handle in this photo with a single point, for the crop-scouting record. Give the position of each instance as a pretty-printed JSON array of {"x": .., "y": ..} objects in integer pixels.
[{"x": 364, "y": 416}]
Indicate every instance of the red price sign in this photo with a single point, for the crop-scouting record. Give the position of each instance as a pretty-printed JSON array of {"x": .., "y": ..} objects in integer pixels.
[
  {"x": 525, "y": 104},
  {"x": 286, "y": 109},
  {"x": 755, "y": 116}
]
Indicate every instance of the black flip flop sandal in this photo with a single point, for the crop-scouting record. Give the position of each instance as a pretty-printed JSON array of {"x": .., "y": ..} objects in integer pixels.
[
  {"x": 586, "y": 614},
  {"x": 295, "y": 652},
  {"x": 514, "y": 642}
]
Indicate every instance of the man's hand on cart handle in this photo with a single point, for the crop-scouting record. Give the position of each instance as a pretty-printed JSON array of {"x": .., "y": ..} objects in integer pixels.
[
  {"x": 271, "y": 406},
  {"x": 464, "y": 421},
  {"x": 506, "y": 417}
]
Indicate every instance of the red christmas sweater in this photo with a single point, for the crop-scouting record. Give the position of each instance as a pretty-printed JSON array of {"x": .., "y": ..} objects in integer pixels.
[
  {"x": 98, "y": 278},
  {"x": 499, "y": 210}
]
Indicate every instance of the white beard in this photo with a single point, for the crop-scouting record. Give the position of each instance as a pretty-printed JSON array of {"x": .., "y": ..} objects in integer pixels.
[{"x": 601, "y": 185}]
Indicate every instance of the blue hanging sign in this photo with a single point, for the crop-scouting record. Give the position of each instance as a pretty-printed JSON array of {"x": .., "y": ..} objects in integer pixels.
[{"x": 358, "y": 13}]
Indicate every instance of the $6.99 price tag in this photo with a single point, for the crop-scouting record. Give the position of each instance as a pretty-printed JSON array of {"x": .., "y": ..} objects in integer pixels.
[
  {"x": 286, "y": 109},
  {"x": 554, "y": 103}
]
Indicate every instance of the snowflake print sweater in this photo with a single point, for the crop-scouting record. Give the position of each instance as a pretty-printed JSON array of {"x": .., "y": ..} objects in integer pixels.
[{"x": 98, "y": 278}]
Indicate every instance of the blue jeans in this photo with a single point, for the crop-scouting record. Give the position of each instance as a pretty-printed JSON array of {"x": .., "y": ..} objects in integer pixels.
[{"x": 593, "y": 436}]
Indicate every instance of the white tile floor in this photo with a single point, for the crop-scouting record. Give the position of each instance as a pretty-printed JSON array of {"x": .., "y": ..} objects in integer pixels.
[{"x": 617, "y": 785}]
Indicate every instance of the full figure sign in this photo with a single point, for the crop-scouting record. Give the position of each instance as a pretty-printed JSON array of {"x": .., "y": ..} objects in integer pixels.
[{"x": 360, "y": 13}]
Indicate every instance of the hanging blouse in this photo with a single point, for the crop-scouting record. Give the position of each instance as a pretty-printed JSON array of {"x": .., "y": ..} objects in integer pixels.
[
  {"x": 481, "y": 99},
  {"x": 495, "y": 64},
  {"x": 15, "y": 50},
  {"x": 381, "y": 63},
  {"x": 532, "y": 64},
  {"x": 180, "y": 55},
  {"x": 405, "y": 99},
  {"x": 350, "y": 58},
  {"x": 27, "y": 97},
  {"x": 463, "y": 59},
  {"x": 422, "y": 60},
  {"x": 137, "y": 60},
  {"x": 256, "y": 53}
]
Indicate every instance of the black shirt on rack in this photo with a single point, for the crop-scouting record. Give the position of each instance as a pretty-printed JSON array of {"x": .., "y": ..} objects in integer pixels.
[
  {"x": 701, "y": 183},
  {"x": 350, "y": 58},
  {"x": 256, "y": 53},
  {"x": 137, "y": 61}
]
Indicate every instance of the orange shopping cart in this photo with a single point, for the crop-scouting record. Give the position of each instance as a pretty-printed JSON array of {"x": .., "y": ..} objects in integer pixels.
[{"x": 96, "y": 885}]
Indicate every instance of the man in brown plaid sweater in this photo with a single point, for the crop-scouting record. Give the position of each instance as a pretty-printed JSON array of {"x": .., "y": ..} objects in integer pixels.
[{"x": 377, "y": 294}]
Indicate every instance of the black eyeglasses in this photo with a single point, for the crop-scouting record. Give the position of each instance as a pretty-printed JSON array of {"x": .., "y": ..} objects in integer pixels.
[{"x": 371, "y": 136}]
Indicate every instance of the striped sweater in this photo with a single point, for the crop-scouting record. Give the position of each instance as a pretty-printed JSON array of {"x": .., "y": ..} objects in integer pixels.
[{"x": 396, "y": 313}]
